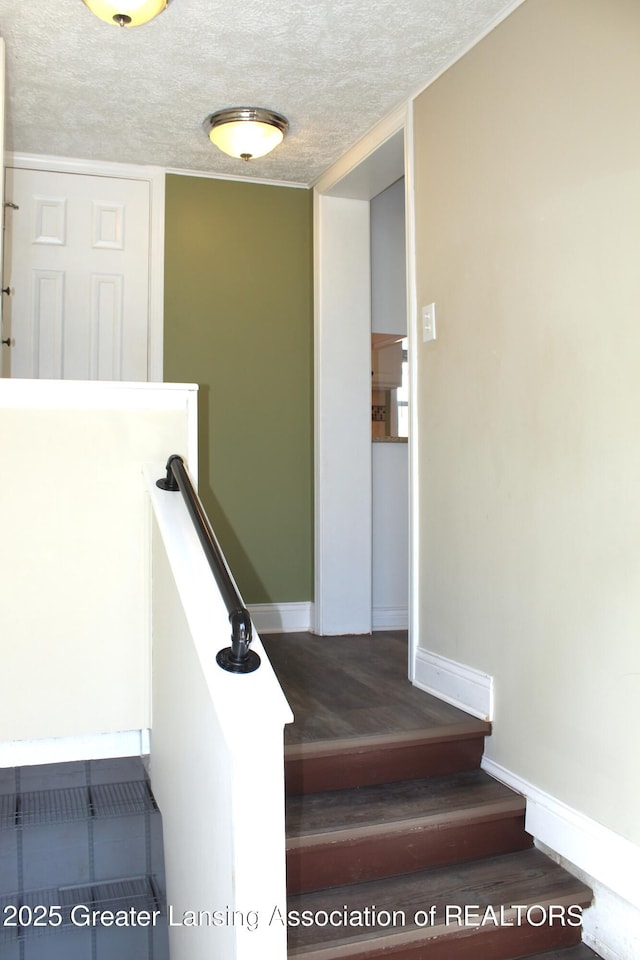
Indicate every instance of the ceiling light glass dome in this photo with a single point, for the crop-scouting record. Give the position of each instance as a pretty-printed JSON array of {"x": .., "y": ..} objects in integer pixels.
[
  {"x": 126, "y": 13},
  {"x": 246, "y": 132}
]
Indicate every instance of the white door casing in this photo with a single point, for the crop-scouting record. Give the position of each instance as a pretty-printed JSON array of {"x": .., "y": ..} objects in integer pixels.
[
  {"x": 343, "y": 480},
  {"x": 342, "y": 416}
]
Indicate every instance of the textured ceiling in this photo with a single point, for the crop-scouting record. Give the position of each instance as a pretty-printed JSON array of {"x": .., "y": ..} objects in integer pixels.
[{"x": 77, "y": 87}]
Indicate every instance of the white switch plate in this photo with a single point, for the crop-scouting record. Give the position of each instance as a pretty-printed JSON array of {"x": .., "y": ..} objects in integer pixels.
[{"x": 429, "y": 322}]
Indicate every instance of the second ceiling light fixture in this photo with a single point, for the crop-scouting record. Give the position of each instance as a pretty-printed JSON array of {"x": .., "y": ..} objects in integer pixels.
[{"x": 246, "y": 132}]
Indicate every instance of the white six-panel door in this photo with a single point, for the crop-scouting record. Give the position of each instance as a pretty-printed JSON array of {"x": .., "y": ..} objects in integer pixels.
[
  {"x": 77, "y": 263},
  {"x": 4, "y": 348}
]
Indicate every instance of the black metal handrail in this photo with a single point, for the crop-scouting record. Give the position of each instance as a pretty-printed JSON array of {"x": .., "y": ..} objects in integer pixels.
[{"x": 237, "y": 658}]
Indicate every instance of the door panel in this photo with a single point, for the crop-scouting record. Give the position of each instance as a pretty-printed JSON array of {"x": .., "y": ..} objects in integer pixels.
[
  {"x": 4, "y": 347},
  {"x": 77, "y": 259}
]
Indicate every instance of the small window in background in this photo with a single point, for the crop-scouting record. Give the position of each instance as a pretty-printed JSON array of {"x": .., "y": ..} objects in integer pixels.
[{"x": 389, "y": 387}]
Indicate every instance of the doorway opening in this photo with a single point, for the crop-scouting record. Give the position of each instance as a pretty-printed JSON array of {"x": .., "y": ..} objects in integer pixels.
[
  {"x": 389, "y": 411},
  {"x": 344, "y": 599}
]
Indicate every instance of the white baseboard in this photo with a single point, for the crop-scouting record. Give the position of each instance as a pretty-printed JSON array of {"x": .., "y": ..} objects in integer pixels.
[
  {"x": 604, "y": 860},
  {"x": 610, "y": 927},
  {"x": 281, "y": 617},
  {"x": 462, "y": 686},
  {"x": 101, "y": 746},
  {"x": 390, "y": 618}
]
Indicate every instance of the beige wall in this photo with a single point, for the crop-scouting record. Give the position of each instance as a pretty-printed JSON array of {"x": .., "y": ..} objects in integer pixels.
[{"x": 527, "y": 156}]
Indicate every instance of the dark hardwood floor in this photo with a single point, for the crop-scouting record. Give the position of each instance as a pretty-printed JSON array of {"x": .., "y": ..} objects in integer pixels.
[{"x": 353, "y": 687}]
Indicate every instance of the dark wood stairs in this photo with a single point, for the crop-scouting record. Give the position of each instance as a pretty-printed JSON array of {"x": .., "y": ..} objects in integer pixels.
[{"x": 399, "y": 847}]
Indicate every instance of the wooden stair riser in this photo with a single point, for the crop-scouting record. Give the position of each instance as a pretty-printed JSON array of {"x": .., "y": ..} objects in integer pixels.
[
  {"x": 344, "y": 857},
  {"x": 362, "y": 766}
]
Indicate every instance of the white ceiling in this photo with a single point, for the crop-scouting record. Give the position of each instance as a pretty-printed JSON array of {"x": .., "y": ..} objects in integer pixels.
[{"x": 77, "y": 87}]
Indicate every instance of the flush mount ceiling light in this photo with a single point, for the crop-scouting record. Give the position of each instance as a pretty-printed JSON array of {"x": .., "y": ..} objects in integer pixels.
[
  {"x": 246, "y": 132},
  {"x": 126, "y": 13}
]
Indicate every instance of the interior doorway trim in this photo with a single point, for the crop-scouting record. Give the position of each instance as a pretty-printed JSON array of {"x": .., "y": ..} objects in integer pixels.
[
  {"x": 342, "y": 403},
  {"x": 155, "y": 177}
]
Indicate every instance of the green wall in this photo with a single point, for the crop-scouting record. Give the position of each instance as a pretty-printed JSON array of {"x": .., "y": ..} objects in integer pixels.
[{"x": 239, "y": 322}]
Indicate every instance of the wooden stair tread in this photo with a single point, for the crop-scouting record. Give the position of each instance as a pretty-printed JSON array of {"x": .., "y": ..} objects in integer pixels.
[
  {"x": 441, "y": 733},
  {"x": 581, "y": 952},
  {"x": 343, "y": 687},
  {"x": 384, "y": 758},
  {"x": 526, "y": 877},
  {"x": 442, "y": 799},
  {"x": 349, "y": 836}
]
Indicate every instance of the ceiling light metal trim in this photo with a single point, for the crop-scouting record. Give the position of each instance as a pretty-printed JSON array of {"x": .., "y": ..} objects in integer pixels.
[
  {"x": 225, "y": 130},
  {"x": 127, "y": 13}
]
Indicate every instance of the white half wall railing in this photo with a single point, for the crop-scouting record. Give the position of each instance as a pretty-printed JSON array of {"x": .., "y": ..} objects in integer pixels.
[{"x": 217, "y": 758}]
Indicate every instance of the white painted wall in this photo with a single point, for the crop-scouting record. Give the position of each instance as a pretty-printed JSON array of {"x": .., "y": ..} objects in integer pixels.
[
  {"x": 75, "y": 561},
  {"x": 217, "y": 757},
  {"x": 389, "y": 261},
  {"x": 390, "y": 499}
]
